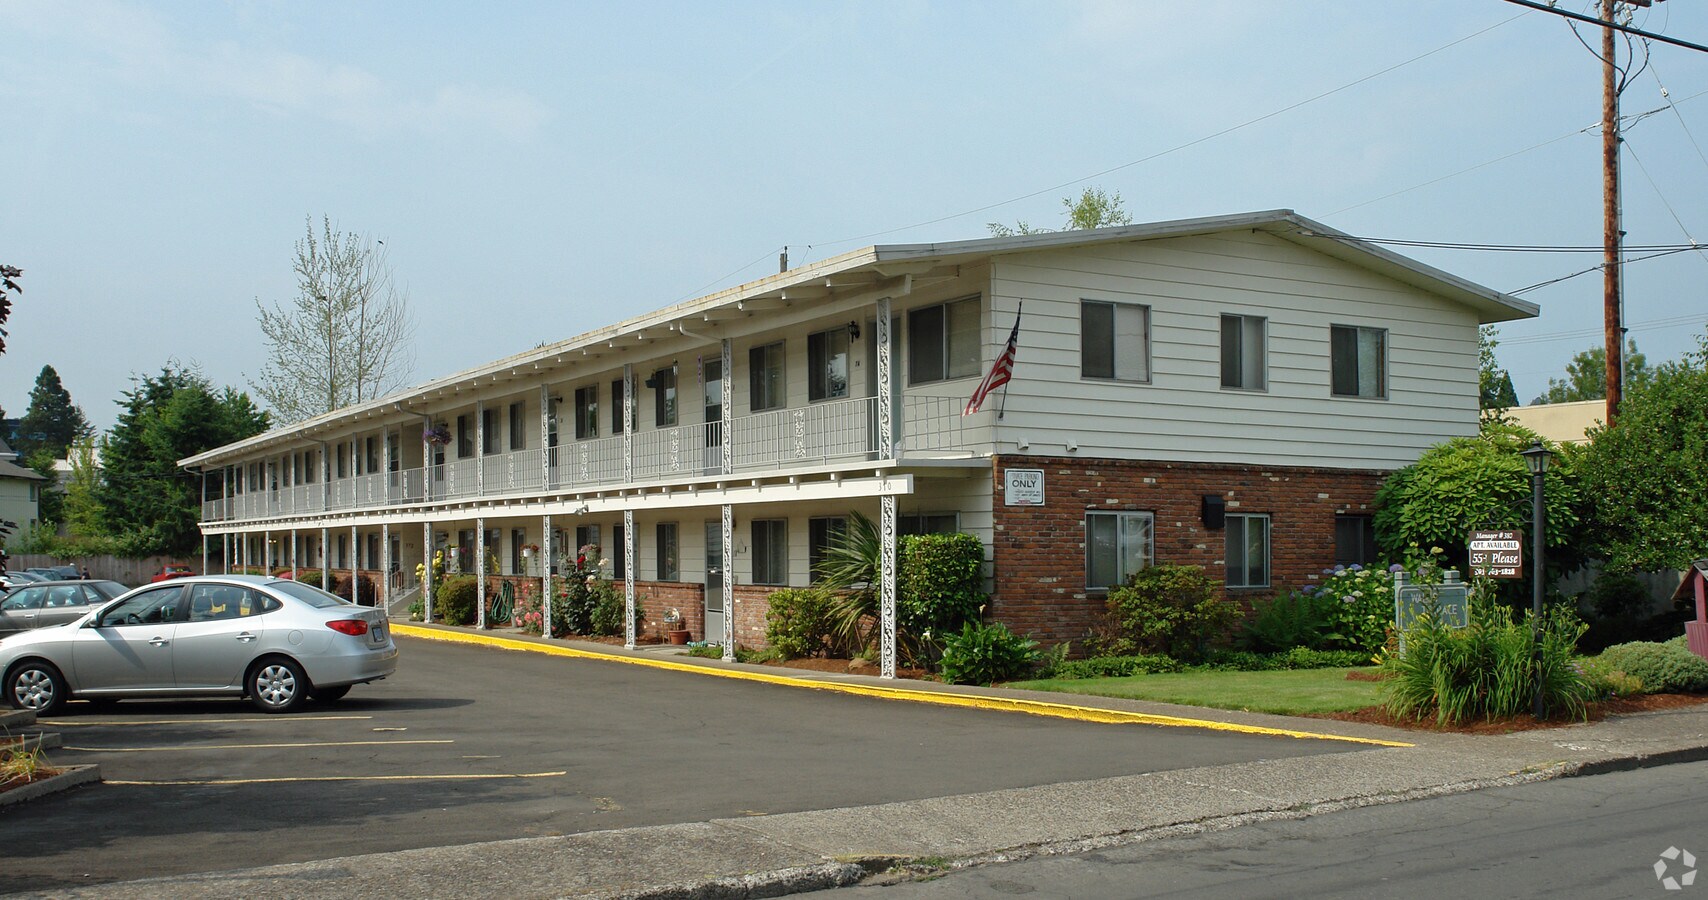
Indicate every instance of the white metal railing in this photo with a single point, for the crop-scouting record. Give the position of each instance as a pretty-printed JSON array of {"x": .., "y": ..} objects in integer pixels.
[{"x": 820, "y": 434}]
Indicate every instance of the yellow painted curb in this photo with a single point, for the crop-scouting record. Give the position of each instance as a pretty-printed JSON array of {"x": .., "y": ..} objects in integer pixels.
[{"x": 971, "y": 701}]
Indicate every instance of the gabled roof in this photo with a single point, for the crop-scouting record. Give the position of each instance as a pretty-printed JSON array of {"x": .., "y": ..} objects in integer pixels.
[{"x": 871, "y": 267}]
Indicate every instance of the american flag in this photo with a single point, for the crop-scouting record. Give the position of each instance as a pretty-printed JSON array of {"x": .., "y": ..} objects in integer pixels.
[{"x": 1000, "y": 371}]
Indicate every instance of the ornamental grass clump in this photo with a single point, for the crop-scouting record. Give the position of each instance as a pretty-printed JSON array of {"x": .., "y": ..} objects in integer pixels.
[{"x": 1488, "y": 670}]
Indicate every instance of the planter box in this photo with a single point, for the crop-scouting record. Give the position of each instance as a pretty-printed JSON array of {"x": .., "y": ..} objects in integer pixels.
[{"x": 68, "y": 778}]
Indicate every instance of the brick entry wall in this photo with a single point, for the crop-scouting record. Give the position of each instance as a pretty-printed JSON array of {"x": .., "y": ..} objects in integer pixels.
[{"x": 1038, "y": 557}]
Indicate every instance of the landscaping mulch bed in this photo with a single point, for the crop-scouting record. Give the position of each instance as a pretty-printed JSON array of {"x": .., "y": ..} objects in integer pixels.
[
  {"x": 842, "y": 666},
  {"x": 1618, "y": 706}
]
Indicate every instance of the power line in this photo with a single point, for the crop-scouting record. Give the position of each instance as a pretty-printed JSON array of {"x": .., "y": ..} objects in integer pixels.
[
  {"x": 1605, "y": 24},
  {"x": 1650, "y": 325},
  {"x": 1600, "y": 267}
]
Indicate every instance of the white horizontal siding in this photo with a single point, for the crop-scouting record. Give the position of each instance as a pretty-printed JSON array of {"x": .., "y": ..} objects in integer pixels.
[{"x": 1183, "y": 414}]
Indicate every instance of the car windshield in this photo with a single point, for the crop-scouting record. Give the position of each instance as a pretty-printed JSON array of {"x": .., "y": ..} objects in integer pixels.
[
  {"x": 108, "y": 589},
  {"x": 313, "y": 596}
]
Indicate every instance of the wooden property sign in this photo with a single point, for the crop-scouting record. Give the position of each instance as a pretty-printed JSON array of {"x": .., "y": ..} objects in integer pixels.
[{"x": 1497, "y": 554}]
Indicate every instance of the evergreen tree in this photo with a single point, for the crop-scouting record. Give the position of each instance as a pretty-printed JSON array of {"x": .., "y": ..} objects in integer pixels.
[
  {"x": 1586, "y": 376},
  {"x": 1494, "y": 384},
  {"x": 52, "y": 421},
  {"x": 144, "y": 496}
]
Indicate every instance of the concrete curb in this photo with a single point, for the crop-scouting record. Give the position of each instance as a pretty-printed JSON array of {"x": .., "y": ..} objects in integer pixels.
[
  {"x": 70, "y": 777},
  {"x": 777, "y": 883}
]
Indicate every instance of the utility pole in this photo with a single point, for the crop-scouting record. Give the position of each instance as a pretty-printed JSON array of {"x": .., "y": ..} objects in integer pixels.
[{"x": 1612, "y": 236}]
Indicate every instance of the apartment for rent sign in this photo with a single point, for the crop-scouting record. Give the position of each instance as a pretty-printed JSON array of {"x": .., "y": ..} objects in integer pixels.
[{"x": 1497, "y": 554}]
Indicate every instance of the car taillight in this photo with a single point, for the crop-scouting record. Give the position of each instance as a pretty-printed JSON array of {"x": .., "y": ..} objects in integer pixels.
[{"x": 349, "y": 626}]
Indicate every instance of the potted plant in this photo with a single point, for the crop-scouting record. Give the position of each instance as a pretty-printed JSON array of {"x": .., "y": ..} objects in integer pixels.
[{"x": 674, "y": 631}]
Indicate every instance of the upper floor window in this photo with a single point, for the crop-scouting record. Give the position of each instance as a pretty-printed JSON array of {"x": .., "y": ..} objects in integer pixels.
[
  {"x": 373, "y": 449},
  {"x": 1358, "y": 361},
  {"x": 518, "y": 428},
  {"x": 1114, "y": 341},
  {"x": 1247, "y": 550},
  {"x": 943, "y": 341},
  {"x": 465, "y": 436},
  {"x": 1243, "y": 355},
  {"x": 617, "y": 397},
  {"x": 664, "y": 400},
  {"x": 827, "y": 364},
  {"x": 587, "y": 412},
  {"x": 765, "y": 377},
  {"x": 489, "y": 430},
  {"x": 1117, "y": 545}
]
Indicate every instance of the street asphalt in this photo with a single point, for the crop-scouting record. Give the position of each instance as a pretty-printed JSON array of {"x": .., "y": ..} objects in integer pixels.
[{"x": 651, "y": 780}]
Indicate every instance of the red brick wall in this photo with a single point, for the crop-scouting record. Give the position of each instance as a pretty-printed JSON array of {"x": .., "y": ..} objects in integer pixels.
[
  {"x": 1038, "y": 557},
  {"x": 658, "y": 597}
]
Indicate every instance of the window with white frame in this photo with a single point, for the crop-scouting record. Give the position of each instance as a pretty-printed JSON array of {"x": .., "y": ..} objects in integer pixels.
[
  {"x": 587, "y": 412},
  {"x": 586, "y": 535},
  {"x": 928, "y": 523},
  {"x": 518, "y": 539},
  {"x": 669, "y": 553},
  {"x": 1114, "y": 341},
  {"x": 827, "y": 364},
  {"x": 1244, "y": 363},
  {"x": 1117, "y": 545},
  {"x": 664, "y": 397},
  {"x": 617, "y": 395},
  {"x": 770, "y": 551},
  {"x": 619, "y": 555},
  {"x": 518, "y": 428},
  {"x": 1354, "y": 540},
  {"x": 489, "y": 430},
  {"x": 765, "y": 377},
  {"x": 1358, "y": 363},
  {"x": 943, "y": 341},
  {"x": 465, "y": 437},
  {"x": 822, "y": 533},
  {"x": 1247, "y": 550}
]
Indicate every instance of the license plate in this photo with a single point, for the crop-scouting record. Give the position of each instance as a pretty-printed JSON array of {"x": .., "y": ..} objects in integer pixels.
[{"x": 378, "y": 632}]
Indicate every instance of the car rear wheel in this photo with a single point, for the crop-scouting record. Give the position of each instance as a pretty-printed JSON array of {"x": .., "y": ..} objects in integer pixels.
[
  {"x": 328, "y": 695},
  {"x": 277, "y": 685},
  {"x": 35, "y": 685}
]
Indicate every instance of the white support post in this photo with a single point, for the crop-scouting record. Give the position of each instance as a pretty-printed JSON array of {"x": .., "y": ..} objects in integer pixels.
[
  {"x": 480, "y": 569},
  {"x": 629, "y": 579},
  {"x": 293, "y": 554},
  {"x": 887, "y": 587},
  {"x": 545, "y": 439},
  {"x": 886, "y": 396},
  {"x": 355, "y": 558},
  {"x": 628, "y": 402},
  {"x": 728, "y": 411},
  {"x": 225, "y": 554},
  {"x": 385, "y": 567},
  {"x": 480, "y": 453},
  {"x": 546, "y": 555},
  {"x": 729, "y": 554},
  {"x": 427, "y": 476},
  {"x": 427, "y": 555},
  {"x": 325, "y": 562}
]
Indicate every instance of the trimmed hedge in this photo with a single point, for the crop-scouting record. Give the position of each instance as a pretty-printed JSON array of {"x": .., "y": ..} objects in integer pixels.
[
  {"x": 1116, "y": 666},
  {"x": 454, "y": 600},
  {"x": 940, "y": 584},
  {"x": 798, "y": 621},
  {"x": 1662, "y": 668}
]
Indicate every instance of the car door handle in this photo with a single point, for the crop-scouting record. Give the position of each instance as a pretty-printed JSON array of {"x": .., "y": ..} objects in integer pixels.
[
  {"x": 159, "y": 642},
  {"x": 29, "y": 615},
  {"x": 245, "y": 637}
]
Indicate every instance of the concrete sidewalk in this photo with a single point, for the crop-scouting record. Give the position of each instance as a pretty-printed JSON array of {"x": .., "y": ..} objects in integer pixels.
[{"x": 768, "y": 856}]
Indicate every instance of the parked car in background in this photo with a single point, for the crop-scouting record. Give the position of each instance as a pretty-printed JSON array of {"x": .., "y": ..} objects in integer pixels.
[
  {"x": 53, "y": 603},
  {"x": 46, "y": 573},
  {"x": 66, "y": 572},
  {"x": 171, "y": 571},
  {"x": 21, "y": 578},
  {"x": 277, "y": 642}
]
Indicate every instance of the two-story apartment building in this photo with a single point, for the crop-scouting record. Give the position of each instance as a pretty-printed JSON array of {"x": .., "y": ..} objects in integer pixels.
[{"x": 1227, "y": 392}]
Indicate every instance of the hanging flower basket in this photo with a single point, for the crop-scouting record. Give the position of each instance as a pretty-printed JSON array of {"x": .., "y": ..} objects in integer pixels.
[
  {"x": 437, "y": 434},
  {"x": 528, "y": 550}
]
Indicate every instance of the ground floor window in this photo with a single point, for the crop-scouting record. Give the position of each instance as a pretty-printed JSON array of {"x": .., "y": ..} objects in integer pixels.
[
  {"x": 1117, "y": 544},
  {"x": 928, "y": 523},
  {"x": 619, "y": 554},
  {"x": 669, "y": 553},
  {"x": 584, "y": 536},
  {"x": 770, "y": 551},
  {"x": 822, "y": 532},
  {"x": 518, "y": 538},
  {"x": 1248, "y": 551},
  {"x": 1354, "y": 540}
]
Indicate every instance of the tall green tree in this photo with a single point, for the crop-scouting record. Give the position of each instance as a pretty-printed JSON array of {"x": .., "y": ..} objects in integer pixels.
[
  {"x": 9, "y": 276},
  {"x": 1647, "y": 476},
  {"x": 347, "y": 337},
  {"x": 82, "y": 510},
  {"x": 145, "y": 498},
  {"x": 1093, "y": 208},
  {"x": 1586, "y": 376},
  {"x": 52, "y": 421},
  {"x": 1494, "y": 384}
]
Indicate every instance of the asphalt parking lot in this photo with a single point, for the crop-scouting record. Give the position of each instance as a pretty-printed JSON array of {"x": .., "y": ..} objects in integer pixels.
[{"x": 469, "y": 744}]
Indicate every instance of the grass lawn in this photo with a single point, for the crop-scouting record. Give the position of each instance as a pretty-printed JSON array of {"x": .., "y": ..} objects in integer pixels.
[{"x": 1288, "y": 692}]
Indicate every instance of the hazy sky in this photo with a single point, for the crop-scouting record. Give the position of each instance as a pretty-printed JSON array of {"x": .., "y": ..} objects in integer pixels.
[{"x": 538, "y": 170}]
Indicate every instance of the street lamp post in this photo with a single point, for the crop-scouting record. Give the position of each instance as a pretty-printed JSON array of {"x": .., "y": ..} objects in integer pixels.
[{"x": 1536, "y": 458}]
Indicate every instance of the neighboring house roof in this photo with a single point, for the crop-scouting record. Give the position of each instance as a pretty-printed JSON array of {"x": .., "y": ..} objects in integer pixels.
[
  {"x": 867, "y": 268},
  {"x": 1562, "y": 423},
  {"x": 9, "y": 469}
]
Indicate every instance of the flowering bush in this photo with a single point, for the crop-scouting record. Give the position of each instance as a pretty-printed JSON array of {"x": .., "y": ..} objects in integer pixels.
[
  {"x": 578, "y": 594},
  {"x": 1360, "y": 606},
  {"x": 437, "y": 434},
  {"x": 530, "y": 613}
]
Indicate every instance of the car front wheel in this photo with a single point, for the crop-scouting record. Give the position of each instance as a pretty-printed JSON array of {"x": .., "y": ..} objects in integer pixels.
[
  {"x": 277, "y": 685},
  {"x": 37, "y": 686}
]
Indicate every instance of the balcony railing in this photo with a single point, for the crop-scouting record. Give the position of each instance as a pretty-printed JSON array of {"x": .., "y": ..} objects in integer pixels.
[{"x": 840, "y": 431}]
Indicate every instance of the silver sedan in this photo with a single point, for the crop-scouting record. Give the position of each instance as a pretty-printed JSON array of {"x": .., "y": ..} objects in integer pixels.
[
  {"x": 275, "y": 641},
  {"x": 53, "y": 603}
]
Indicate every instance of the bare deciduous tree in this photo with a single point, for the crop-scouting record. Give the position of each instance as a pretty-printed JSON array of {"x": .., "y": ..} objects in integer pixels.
[{"x": 347, "y": 337}]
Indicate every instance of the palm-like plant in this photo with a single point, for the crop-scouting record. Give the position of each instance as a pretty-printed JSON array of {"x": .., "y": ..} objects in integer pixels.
[{"x": 851, "y": 568}]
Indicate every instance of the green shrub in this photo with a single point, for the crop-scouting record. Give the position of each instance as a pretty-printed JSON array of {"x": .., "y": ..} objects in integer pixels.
[
  {"x": 1618, "y": 608},
  {"x": 364, "y": 592},
  {"x": 574, "y": 597},
  {"x": 1293, "y": 619},
  {"x": 798, "y": 621},
  {"x": 1296, "y": 658},
  {"x": 609, "y": 605},
  {"x": 1167, "y": 609},
  {"x": 939, "y": 582},
  {"x": 986, "y": 654},
  {"x": 454, "y": 600},
  {"x": 1360, "y": 609},
  {"x": 1116, "y": 666},
  {"x": 310, "y": 577},
  {"x": 1662, "y": 668},
  {"x": 1486, "y": 670}
]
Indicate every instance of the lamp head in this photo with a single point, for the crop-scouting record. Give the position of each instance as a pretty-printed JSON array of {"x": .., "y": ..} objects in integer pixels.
[{"x": 1536, "y": 457}]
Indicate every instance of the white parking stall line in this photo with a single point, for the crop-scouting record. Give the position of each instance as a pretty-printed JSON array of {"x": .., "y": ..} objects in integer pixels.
[
  {"x": 184, "y": 747},
  {"x": 232, "y": 781},
  {"x": 79, "y": 723}
]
